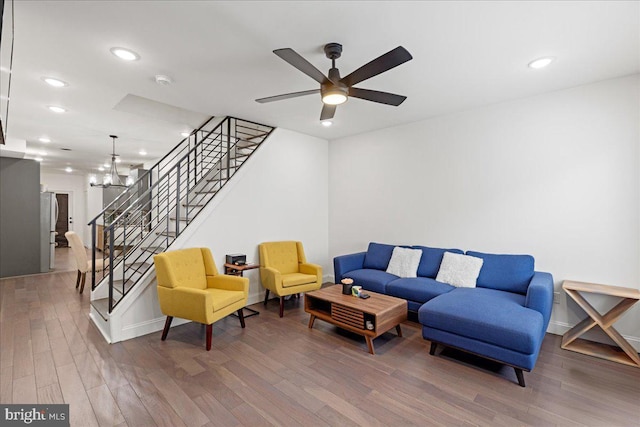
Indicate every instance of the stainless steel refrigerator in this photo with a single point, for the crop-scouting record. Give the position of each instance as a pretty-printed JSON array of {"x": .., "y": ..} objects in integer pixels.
[{"x": 48, "y": 219}]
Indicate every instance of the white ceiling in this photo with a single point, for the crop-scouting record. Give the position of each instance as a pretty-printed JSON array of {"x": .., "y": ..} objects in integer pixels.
[{"x": 219, "y": 55}]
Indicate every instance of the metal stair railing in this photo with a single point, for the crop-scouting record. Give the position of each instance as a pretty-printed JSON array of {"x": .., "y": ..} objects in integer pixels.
[{"x": 146, "y": 219}]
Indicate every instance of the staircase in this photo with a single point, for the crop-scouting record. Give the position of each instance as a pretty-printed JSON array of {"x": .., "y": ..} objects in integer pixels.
[{"x": 151, "y": 213}]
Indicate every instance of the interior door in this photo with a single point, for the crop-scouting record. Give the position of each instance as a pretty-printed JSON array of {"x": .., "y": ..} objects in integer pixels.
[{"x": 62, "y": 225}]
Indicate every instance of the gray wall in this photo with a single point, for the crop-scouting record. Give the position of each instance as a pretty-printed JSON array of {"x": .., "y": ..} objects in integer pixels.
[{"x": 19, "y": 217}]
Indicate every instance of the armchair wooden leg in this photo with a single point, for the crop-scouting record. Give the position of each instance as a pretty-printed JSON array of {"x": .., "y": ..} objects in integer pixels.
[
  {"x": 281, "y": 306},
  {"x": 167, "y": 325},
  {"x": 209, "y": 333},
  {"x": 84, "y": 277},
  {"x": 78, "y": 279},
  {"x": 266, "y": 297},
  {"x": 432, "y": 350},
  {"x": 241, "y": 317}
]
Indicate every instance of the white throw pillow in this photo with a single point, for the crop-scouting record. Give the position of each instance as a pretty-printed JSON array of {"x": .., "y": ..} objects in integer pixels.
[
  {"x": 458, "y": 270},
  {"x": 404, "y": 262}
]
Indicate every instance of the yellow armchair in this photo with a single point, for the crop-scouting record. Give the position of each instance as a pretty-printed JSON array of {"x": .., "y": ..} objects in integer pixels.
[
  {"x": 189, "y": 287},
  {"x": 284, "y": 270}
]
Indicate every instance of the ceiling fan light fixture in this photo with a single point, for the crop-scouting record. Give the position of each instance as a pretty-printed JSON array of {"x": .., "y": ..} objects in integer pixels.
[
  {"x": 334, "y": 98},
  {"x": 334, "y": 95}
]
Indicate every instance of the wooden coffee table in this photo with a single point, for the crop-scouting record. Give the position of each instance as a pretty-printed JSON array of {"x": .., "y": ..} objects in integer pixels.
[{"x": 352, "y": 313}]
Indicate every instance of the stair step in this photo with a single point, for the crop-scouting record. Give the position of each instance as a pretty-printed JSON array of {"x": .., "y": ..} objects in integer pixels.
[
  {"x": 153, "y": 249},
  {"x": 102, "y": 307},
  {"x": 166, "y": 233},
  {"x": 117, "y": 286},
  {"x": 250, "y": 137},
  {"x": 243, "y": 143},
  {"x": 193, "y": 205},
  {"x": 138, "y": 264},
  {"x": 138, "y": 267},
  {"x": 216, "y": 179},
  {"x": 182, "y": 218},
  {"x": 207, "y": 192}
]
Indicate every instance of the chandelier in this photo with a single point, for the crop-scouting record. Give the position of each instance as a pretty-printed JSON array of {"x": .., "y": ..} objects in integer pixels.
[{"x": 112, "y": 179}]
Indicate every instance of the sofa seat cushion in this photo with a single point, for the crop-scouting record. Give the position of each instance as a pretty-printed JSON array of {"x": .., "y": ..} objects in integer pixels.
[
  {"x": 372, "y": 280},
  {"x": 487, "y": 315},
  {"x": 419, "y": 289}
]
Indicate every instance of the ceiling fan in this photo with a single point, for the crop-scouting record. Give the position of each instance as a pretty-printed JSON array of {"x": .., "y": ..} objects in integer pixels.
[{"x": 336, "y": 90}]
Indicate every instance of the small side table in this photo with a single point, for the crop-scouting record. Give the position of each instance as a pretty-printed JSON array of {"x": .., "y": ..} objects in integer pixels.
[
  {"x": 570, "y": 341},
  {"x": 238, "y": 270}
]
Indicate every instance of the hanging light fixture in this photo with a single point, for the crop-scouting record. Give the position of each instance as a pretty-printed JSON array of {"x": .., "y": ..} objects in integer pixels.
[{"x": 112, "y": 179}]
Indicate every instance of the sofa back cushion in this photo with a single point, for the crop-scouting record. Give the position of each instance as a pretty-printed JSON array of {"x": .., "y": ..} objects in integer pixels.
[
  {"x": 378, "y": 256},
  {"x": 431, "y": 260},
  {"x": 511, "y": 273}
]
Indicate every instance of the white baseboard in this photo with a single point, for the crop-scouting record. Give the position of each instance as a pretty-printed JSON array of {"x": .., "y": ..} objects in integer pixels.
[
  {"x": 147, "y": 327},
  {"x": 560, "y": 328}
]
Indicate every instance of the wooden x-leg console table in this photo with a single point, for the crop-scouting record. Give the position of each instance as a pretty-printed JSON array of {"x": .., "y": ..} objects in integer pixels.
[{"x": 570, "y": 341}]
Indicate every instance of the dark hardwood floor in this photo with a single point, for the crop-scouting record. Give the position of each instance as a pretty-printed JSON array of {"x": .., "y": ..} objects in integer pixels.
[{"x": 279, "y": 372}]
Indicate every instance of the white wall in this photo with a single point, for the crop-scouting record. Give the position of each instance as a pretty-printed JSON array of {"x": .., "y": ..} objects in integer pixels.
[
  {"x": 281, "y": 193},
  {"x": 555, "y": 176},
  {"x": 76, "y": 186}
]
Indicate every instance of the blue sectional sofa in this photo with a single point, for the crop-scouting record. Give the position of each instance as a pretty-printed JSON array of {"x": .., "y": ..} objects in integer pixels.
[{"x": 503, "y": 318}]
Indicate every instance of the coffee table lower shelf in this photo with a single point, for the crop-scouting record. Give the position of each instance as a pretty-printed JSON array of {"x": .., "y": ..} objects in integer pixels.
[{"x": 368, "y": 335}]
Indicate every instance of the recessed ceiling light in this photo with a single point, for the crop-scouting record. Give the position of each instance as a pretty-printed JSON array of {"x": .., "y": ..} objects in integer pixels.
[
  {"x": 38, "y": 159},
  {"x": 44, "y": 139},
  {"x": 185, "y": 134},
  {"x": 42, "y": 153},
  {"x": 326, "y": 123},
  {"x": 68, "y": 169},
  {"x": 541, "y": 62},
  {"x": 57, "y": 109},
  {"x": 107, "y": 165},
  {"x": 101, "y": 169},
  {"x": 55, "y": 82},
  {"x": 118, "y": 160},
  {"x": 125, "y": 54},
  {"x": 142, "y": 153},
  {"x": 163, "y": 80}
]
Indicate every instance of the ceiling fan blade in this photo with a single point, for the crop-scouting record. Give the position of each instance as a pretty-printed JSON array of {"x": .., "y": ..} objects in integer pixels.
[
  {"x": 377, "y": 96},
  {"x": 294, "y": 58},
  {"x": 328, "y": 111},
  {"x": 383, "y": 63},
  {"x": 287, "y": 96}
]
